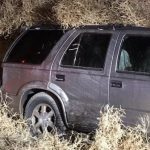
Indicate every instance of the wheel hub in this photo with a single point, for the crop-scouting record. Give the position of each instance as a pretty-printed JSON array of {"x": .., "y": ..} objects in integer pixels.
[{"x": 43, "y": 118}]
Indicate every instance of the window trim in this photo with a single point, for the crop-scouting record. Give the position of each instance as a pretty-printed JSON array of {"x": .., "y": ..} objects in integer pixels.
[
  {"x": 83, "y": 68},
  {"x": 86, "y": 68},
  {"x": 118, "y": 57},
  {"x": 13, "y": 45}
]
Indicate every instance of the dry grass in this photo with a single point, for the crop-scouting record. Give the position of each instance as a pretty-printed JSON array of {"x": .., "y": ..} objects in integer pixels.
[
  {"x": 77, "y": 12},
  {"x": 111, "y": 134},
  {"x": 15, "y": 135},
  {"x": 17, "y": 13}
]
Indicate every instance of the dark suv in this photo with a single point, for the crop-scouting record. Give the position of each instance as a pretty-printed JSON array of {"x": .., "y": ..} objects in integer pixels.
[{"x": 62, "y": 78}]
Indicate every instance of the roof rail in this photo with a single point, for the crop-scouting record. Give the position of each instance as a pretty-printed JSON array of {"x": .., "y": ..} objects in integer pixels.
[{"x": 96, "y": 26}]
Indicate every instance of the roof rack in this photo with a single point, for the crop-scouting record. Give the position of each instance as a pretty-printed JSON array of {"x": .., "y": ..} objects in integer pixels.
[
  {"x": 103, "y": 27},
  {"x": 46, "y": 26},
  {"x": 115, "y": 27}
]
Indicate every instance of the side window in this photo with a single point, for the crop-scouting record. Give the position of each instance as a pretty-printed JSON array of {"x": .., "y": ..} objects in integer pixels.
[
  {"x": 34, "y": 46},
  {"x": 88, "y": 50},
  {"x": 135, "y": 54}
]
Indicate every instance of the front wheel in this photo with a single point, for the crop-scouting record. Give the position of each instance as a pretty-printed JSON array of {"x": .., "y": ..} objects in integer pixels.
[{"x": 43, "y": 114}]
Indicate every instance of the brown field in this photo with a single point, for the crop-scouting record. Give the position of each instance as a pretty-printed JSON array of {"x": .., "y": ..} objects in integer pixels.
[{"x": 67, "y": 13}]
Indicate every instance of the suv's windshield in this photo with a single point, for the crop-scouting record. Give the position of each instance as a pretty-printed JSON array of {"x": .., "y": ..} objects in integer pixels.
[{"x": 34, "y": 46}]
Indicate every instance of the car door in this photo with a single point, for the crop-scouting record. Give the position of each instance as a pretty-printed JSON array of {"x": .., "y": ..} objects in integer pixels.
[
  {"x": 81, "y": 71},
  {"x": 130, "y": 75}
]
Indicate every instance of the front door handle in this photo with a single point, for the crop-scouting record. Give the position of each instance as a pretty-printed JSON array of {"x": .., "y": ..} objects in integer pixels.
[
  {"x": 116, "y": 84},
  {"x": 60, "y": 77}
]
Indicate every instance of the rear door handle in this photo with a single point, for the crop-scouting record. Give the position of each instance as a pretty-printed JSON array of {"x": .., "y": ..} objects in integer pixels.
[
  {"x": 60, "y": 77},
  {"x": 116, "y": 84}
]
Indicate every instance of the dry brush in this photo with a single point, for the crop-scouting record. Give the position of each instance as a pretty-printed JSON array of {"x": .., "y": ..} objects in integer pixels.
[
  {"x": 69, "y": 13},
  {"x": 110, "y": 135}
]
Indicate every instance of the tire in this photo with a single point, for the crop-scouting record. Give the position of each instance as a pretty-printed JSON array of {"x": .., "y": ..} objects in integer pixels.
[{"x": 43, "y": 115}]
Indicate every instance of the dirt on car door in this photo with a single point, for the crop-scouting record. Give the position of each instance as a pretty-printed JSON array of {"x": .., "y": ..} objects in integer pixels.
[
  {"x": 84, "y": 81},
  {"x": 130, "y": 76}
]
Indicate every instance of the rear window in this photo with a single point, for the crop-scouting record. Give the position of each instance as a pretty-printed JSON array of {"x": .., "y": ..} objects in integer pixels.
[{"x": 34, "y": 46}]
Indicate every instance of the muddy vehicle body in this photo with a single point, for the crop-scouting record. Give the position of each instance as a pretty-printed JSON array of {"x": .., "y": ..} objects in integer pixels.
[{"x": 63, "y": 78}]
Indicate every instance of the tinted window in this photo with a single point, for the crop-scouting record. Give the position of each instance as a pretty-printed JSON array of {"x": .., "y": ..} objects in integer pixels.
[
  {"x": 34, "y": 46},
  {"x": 135, "y": 54},
  {"x": 87, "y": 50}
]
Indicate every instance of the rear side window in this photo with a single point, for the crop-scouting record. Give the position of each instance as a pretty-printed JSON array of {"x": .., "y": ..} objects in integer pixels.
[
  {"x": 88, "y": 50},
  {"x": 135, "y": 54},
  {"x": 34, "y": 46}
]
